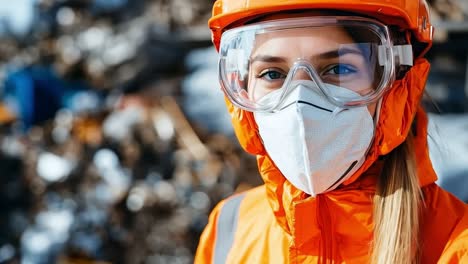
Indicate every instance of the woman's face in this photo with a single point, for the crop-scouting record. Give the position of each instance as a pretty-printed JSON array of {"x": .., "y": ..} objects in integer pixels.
[{"x": 334, "y": 55}]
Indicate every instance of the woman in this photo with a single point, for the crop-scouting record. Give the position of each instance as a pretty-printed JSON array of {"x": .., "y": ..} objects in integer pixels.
[{"x": 327, "y": 95}]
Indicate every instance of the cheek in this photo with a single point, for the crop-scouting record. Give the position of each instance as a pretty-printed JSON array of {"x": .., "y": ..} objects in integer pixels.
[{"x": 255, "y": 93}]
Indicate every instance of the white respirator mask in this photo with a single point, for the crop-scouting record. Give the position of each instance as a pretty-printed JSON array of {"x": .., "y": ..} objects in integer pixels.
[{"x": 315, "y": 144}]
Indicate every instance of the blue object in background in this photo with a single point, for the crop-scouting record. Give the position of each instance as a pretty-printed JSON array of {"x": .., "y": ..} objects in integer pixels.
[{"x": 36, "y": 93}]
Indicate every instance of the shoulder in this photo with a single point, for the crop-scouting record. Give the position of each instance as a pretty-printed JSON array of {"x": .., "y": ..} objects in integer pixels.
[
  {"x": 445, "y": 225},
  {"x": 226, "y": 220},
  {"x": 440, "y": 200},
  {"x": 252, "y": 199},
  {"x": 239, "y": 208}
]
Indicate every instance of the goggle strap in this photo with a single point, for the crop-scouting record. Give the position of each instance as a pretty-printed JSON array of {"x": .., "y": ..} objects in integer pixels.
[{"x": 403, "y": 54}]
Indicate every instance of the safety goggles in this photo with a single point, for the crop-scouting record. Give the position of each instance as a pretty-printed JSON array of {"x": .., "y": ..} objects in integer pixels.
[{"x": 354, "y": 53}]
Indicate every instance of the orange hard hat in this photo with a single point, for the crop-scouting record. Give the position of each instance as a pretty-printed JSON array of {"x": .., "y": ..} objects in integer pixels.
[{"x": 412, "y": 15}]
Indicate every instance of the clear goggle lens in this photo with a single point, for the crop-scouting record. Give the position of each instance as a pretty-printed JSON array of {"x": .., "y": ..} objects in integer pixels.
[{"x": 349, "y": 52}]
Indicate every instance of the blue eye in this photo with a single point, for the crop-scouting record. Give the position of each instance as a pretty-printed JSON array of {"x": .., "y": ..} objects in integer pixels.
[
  {"x": 341, "y": 69},
  {"x": 271, "y": 75}
]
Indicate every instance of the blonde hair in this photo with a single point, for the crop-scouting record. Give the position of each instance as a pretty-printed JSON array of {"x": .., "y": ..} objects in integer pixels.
[{"x": 396, "y": 208}]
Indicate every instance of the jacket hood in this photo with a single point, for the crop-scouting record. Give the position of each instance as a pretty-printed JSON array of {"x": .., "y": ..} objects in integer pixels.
[{"x": 400, "y": 106}]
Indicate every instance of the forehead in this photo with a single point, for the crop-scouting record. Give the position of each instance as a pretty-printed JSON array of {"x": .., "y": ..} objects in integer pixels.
[{"x": 309, "y": 40}]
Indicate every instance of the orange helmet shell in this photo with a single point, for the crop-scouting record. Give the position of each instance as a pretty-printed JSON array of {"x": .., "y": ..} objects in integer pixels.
[{"x": 407, "y": 14}]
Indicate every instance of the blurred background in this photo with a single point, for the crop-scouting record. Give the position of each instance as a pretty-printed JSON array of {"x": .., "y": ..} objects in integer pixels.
[{"x": 114, "y": 140}]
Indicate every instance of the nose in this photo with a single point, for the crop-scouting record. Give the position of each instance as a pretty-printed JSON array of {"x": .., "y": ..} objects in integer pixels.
[{"x": 302, "y": 73}]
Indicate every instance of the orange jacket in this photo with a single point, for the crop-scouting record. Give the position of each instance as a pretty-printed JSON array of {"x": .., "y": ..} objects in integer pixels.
[{"x": 277, "y": 223}]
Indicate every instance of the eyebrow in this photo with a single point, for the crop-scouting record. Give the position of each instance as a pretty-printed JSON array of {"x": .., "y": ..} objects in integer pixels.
[
  {"x": 338, "y": 52},
  {"x": 326, "y": 55},
  {"x": 268, "y": 58}
]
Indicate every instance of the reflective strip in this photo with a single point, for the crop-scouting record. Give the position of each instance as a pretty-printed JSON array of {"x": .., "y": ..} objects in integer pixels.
[{"x": 226, "y": 229}]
